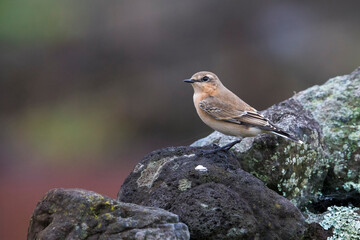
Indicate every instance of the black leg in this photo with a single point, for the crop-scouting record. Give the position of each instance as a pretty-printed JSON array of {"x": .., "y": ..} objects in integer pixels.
[
  {"x": 228, "y": 146},
  {"x": 224, "y": 148}
]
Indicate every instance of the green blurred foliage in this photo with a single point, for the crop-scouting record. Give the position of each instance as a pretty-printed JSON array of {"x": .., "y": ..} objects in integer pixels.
[
  {"x": 95, "y": 81},
  {"x": 38, "y": 21}
]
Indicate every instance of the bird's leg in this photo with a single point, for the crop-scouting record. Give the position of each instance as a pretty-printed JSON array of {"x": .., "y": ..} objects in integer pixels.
[
  {"x": 228, "y": 146},
  {"x": 224, "y": 148}
]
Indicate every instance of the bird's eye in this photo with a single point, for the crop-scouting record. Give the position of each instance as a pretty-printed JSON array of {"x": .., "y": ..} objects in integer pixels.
[{"x": 206, "y": 78}]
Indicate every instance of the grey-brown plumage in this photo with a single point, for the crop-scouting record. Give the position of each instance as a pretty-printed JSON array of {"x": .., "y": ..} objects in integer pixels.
[{"x": 225, "y": 112}]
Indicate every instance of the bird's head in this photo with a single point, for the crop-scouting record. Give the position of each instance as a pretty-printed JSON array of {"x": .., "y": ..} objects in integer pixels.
[{"x": 204, "y": 82}]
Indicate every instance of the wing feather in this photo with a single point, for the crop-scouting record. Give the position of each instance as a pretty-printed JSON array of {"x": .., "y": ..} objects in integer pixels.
[{"x": 235, "y": 114}]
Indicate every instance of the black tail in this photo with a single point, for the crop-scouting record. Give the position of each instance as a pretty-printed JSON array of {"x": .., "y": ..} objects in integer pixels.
[{"x": 283, "y": 134}]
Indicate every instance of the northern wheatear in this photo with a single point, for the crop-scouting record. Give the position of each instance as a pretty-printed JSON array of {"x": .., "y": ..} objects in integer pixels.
[{"x": 225, "y": 112}]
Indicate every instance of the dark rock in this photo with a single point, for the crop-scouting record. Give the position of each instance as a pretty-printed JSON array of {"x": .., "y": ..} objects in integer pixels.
[
  {"x": 316, "y": 232},
  {"x": 294, "y": 171},
  {"x": 335, "y": 199},
  {"x": 80, "y": 214},
  {"x": 220, "y": 202}
]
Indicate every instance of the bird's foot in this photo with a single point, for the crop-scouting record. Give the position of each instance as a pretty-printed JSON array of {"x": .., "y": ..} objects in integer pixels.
[{"x": 224, "y": 148}]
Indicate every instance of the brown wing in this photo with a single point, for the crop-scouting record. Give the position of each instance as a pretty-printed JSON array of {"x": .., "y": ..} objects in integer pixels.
[{"x": 235, "y": 114}]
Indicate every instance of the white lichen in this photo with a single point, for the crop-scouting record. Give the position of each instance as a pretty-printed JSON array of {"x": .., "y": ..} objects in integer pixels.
[
  {"x": 152, "y": 171},
  {"x": 348, "y": 186},
  {"x": 201, "y": 168},
  {"x": 344, "y": 220}
]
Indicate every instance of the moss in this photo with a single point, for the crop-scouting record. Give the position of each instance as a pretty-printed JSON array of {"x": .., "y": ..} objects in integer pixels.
[
  {"x": 53, "y": 208},
  {"x": 263, "y": 178}
]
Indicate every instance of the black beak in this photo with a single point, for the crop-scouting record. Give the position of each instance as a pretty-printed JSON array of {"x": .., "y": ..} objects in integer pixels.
[{"x": 189, "y": 81}]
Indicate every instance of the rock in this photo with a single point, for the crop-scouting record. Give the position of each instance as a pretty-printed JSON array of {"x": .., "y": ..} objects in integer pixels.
[
  {"x": 217, "y": 200},
  {"x": 316, "y": 232},
  {"x": 336, "y": 107},
  {"x": 81, "y": 214},
  {"x": 295, "y": 171},
  {"x": 340, "y": 222},
  {"x": 351, "y": 198}
]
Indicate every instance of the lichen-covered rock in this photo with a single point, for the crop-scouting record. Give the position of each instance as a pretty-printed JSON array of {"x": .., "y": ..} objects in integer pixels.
[
  {"x": 295, "y": 171},
  {"x": 344, "y": 222},
  {"x": 212, "y": 195},
  {"x": 336, "y": 107},
  {"x": 81, "y": 214}
]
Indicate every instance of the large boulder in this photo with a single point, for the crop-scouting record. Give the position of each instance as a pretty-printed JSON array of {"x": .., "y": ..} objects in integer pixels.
[
  {"x": 336, "y": 107},
  {"x": 81, "y": 214},
  {"x": 212, "y": 195},
  {"x": 295, "y": 171}
]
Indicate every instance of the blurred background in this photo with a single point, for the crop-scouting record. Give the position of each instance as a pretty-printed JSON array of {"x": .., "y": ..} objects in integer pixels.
[{"x": 88, "y": 88}]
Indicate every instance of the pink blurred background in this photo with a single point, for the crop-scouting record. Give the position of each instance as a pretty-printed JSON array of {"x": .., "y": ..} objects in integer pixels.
[{"x": 88, "y": 88}]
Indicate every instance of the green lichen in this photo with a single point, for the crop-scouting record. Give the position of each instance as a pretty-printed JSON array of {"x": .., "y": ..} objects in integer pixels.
[
  {"x": 298, "y": 166},
  {"x": 97, "y": 205},
  {"x": 236, "y": 232},
  {"x": 151, "y": 172},
  {"x": 175, "y": 166},
  {"x": 345, "y": 220},
  {"x": 291, "y": 166},
  {"x": 184, "y": 184},
  {"x": 290, "y": 169},
  {"x": 336, "y": 106},
  {"x": 81, "y": 230},
  {"x": 53, "y": 208},
  {"x": 348, "y": 186}
]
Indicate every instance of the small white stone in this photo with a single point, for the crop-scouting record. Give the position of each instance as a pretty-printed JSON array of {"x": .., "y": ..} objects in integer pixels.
[{"x": 201, "y": 168}]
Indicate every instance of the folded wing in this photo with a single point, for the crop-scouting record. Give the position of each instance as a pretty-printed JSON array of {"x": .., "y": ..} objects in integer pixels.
[
  {"x": 242, "y": 115},
  {"x": 235, "y": 114}
]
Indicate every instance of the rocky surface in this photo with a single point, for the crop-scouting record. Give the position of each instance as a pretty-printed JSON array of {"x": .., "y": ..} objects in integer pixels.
[
  {"x": 316, "y": 232},
  {"x": 294, "y": 171},
  {"x": 81, "y": 214},
  {"x": 336, "y": 107},
  {"x": 212, "y": 195},
  {"x": 342, "y": 222},
  {"x": 234, "y": 195}
]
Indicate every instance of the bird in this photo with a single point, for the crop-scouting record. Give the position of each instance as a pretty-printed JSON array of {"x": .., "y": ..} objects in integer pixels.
[{"x": 225, "y": 112}]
